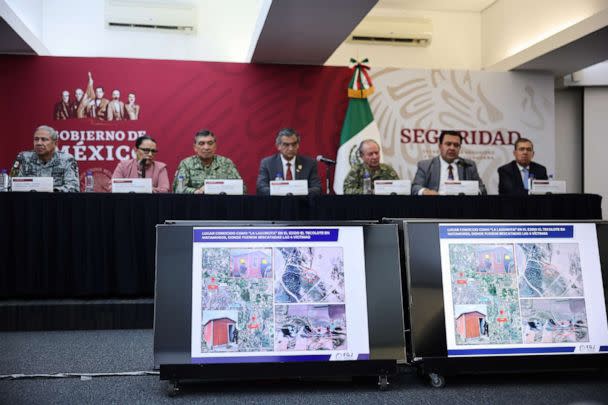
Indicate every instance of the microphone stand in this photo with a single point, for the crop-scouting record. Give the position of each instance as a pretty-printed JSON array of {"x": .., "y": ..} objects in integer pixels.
[
  {"x": 327, "y": 179},
  {"x": 327, "y": 163}
]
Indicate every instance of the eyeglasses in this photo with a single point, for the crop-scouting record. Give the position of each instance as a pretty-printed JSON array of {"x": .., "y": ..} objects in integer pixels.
[
  {"x": 289, "y": 144},
  {"x": 147, "y": 150}
]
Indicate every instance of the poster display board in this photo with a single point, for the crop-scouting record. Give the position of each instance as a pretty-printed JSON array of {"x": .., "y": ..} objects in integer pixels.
[
  {"x": 278, "y": 294},
  {"x": 522, "y": 289}
]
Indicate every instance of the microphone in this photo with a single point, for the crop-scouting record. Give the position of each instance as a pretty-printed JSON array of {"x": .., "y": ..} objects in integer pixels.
[
  {"x": 464, "y": 165},
  {"x": 143, "y": 168},
  {"x": 321, "y": 158}
]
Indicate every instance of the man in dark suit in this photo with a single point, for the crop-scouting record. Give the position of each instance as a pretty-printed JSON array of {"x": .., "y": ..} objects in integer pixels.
[
  {"x": 288, "y": 165},
  {"x": 513, "y": 177},
  {"x": 432, "y": 173}
]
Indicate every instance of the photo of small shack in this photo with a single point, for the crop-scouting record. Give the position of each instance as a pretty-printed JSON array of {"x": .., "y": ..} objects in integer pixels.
[
  {"x": 250, "y": 263},
  {"x": 494, "y": 259},
  {"x": 471, "y": 324},
  {"x": 220, "y": 329}
]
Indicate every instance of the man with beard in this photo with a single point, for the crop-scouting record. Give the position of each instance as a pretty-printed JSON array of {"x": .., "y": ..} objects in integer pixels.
[
  {"x": 63, "y": 109},
  {"x": 78, "y": 106},
  {"x": 116, "y": 108}
]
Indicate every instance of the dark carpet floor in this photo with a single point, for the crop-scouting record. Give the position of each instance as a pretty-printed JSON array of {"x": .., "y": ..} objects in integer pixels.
[{"x": 131, "y": 350}]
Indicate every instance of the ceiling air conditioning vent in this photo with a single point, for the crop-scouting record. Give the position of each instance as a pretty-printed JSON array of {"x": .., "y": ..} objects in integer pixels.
[
  {"x": 393, "y": 31},
  {"x": 151, "y": 15}
]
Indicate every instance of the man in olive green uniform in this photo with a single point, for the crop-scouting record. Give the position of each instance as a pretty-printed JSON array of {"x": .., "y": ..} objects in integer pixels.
[
  {"x": 205, "y": 165},
  {"x": 47, "y": 161},
  {"x": 369, "y": 151}
]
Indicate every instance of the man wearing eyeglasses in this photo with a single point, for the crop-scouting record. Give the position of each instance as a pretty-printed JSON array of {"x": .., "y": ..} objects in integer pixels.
[
  {"x": 205, "y": 165},
  {"x": 514, "y": 177},
  {"x": 145, "y": 166},
  {"x": 288, "y": 165}
]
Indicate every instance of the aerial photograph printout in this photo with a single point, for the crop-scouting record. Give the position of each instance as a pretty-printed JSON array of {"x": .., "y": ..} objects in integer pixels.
[
  {"x": 278, "y": 294},
  {"x": 311, "y": 327},
  {"x": 238, "y": 291},
  {"x": 522, "y": 289},
  {"x": 309, "y": 274},
  {"x": 484, "y": 290}
]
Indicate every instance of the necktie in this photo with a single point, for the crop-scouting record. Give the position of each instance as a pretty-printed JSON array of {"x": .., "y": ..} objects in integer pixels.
[
  {"x": 450, "y": 172},
  {"x": 525, "y": 177},
  {"x": 288, "y": 175}
]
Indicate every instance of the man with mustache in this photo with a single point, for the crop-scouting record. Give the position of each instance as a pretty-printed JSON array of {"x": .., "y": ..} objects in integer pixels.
[{"x": 47, "y": 161}]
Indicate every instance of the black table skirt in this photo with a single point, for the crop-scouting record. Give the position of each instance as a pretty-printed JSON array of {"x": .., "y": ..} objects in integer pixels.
[{"x": 102, "y": 245}]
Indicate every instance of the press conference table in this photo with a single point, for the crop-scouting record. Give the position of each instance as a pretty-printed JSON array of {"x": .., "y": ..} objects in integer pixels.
[{"x": 102, "y": 245}]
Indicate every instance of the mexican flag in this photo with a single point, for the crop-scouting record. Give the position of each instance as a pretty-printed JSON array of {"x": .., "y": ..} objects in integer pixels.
[{"x": 358, "y": 124}]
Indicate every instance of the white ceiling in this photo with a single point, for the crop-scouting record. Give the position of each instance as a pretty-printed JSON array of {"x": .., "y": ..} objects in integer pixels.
[
  {"x": 228, "y": 30},
  {"x": 437, "y": 5}
]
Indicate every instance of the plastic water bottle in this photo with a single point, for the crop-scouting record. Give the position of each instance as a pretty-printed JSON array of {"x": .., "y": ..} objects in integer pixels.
[
  {"x": 180, "y": 185},
  {"x": 367, "y": 183},
  {"x": 4, "y": 181},
  {"x": 89, "y": 182},
  {"x": 278, "y": 177}
]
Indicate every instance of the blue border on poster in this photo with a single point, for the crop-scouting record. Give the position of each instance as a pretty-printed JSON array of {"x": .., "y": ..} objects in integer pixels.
[
  {"x": 505, "y": 231},
  {"x": 248, "y": 235},
  {"x": 513, "y": 350},
  {"x": 267, "y": 359}
]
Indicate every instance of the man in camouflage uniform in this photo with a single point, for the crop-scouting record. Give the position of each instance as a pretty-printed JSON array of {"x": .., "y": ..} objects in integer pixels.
[
  {"x": 46, "y": 161},
  {"x": 205, "y": 165},
  {"x": 369, "y": 151}
]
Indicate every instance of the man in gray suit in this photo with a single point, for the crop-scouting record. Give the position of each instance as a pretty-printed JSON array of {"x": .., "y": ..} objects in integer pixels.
[
  {"x": 288, "y": 165},
  {"x": 432, "y": 173}
]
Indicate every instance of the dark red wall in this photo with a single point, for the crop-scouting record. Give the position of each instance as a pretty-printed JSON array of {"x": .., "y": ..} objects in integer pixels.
[{"x": 244, "y": 104}]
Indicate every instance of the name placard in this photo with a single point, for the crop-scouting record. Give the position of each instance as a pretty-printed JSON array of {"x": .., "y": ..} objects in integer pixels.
[
  {"x": 457, "y": 187},
  {"x": 136, "y": 185},
  {"x": 233, "y": 187},
  {"x": 42, "y": 184},
  {"x": 388, "y": 187},
  {"x": 548, "y": 187},
  {"x": 289, "y": 187}
]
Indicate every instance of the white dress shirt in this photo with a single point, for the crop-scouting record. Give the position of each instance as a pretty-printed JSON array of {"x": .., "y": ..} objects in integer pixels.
[
  {"x": 443, "y": 174},
  {"x": 443, "y": 177},
  {"x": 292, "y": 168}
]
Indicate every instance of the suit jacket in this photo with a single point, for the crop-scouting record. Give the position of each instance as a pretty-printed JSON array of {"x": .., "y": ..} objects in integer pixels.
[
  {"x": 63, "y": 111},
  {"x": 98, "y": 111},
  {"x": 429, "y": 173},
  {"x": 510, "y": 181},
  {"x": 306, "y": 169}
]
